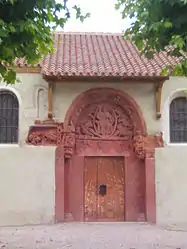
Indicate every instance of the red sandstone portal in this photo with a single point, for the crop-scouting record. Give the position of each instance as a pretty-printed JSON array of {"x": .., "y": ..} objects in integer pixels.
[{"x": 105, "y": 145}]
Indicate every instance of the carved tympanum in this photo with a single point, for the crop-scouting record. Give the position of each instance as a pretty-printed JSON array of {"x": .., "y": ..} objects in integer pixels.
[{"x": 104, "y": 121}]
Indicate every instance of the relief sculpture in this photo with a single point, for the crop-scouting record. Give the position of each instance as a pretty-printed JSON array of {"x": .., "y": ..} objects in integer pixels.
[
  {"x": 69, "y": 144},
  {"x": 45, "y": 135},
  {"x": 104, "y": 122},
  {"x": 144, "y": 146}
]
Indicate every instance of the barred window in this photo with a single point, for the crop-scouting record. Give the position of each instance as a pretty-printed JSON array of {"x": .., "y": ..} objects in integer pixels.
[
  {"x": 178, "y": 120},
  {"x": 9, "y": 117}
]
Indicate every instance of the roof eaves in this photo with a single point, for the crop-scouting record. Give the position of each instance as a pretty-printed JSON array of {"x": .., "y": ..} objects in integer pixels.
[{"x": 53, "y": 78}]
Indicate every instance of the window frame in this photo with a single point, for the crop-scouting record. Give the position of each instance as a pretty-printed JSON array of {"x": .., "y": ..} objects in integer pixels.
[
  {"x": 166, "y": 116},
  {"x": 178, "y": 101},
  {"x": 16, "y": 94}
]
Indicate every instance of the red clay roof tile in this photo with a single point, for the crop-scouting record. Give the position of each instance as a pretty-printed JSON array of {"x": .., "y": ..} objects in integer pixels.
[{"x": 100, "y": 55}]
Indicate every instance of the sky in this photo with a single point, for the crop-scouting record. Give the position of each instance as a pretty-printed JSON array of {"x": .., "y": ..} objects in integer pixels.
[{"x": 104, "y": 17}]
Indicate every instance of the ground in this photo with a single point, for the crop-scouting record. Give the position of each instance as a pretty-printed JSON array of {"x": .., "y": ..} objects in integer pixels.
[{"x": 92, "y": 236}]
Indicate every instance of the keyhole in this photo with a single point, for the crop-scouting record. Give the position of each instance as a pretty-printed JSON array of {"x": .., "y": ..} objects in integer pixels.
[{"x": 102, "y": 189}]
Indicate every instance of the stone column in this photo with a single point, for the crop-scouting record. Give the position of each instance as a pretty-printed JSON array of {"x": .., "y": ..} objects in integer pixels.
[
  {"x": 150, "y": 190},
  {"x": 129, "y": 197}
]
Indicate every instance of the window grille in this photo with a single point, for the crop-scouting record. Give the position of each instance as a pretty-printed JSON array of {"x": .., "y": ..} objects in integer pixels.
[
  {"x": 9, "y": 118},
  {"x": 178, "y": 120}
]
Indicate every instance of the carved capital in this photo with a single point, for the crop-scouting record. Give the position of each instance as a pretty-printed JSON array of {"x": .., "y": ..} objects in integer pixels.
[
  {"x": 150, "y": 154},
  {"x": 139, "y": 144},
  {"x": 144, "y": 146},
  {"x": 60, "y": 133},
  {"x": 69, "y": 144}
]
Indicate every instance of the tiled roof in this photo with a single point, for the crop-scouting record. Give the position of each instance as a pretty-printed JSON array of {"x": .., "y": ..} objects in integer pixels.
[{"x": 99, "y": 55}]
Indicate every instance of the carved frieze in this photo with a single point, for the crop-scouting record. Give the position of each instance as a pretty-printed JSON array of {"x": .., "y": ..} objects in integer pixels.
[
  {"x": 45, "y": 135},
  {"x": 144, "y": 146}
]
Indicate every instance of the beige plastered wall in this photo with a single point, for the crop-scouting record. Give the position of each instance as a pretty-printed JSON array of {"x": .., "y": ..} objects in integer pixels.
[
  {"x": 27, "y": 181},
  {"x": 171, "y": 164},
  {"x": 27, "y": 185}
]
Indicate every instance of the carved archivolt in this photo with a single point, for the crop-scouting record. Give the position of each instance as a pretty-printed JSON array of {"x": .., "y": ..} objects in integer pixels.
[{"x": 105, "y": 114}]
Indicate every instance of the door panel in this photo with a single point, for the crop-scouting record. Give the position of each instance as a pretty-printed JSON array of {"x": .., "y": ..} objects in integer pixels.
[
  {"x": 76, "y": 188},
  {"x": 90, "y": 185},
  {"x": 104, "y": 188},
  {"x": 111, "y": 173}
]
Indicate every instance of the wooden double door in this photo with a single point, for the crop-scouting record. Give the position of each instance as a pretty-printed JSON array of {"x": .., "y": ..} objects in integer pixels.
[{"x": 104, "y": 189}]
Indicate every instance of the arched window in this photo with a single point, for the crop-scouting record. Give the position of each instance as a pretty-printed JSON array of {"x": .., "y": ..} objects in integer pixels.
[
  {"x": 9, "y": 117},
  {"x": 178, "y": 120}
]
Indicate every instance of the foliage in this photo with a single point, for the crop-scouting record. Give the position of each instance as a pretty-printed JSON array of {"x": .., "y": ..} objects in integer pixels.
[
  {"x": 158, "y": 25},
  {"x": 26, "y": 30}
]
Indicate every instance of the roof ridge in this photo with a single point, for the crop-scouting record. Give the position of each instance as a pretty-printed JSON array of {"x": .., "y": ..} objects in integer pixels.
[{"x": 88, "y": 33}]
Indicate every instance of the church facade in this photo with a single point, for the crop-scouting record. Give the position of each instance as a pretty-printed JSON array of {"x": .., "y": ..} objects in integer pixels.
[{"x": 93, "y": 133}]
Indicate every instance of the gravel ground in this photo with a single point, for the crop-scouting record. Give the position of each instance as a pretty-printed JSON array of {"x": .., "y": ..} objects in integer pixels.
[{"x": 92, "y": 236}]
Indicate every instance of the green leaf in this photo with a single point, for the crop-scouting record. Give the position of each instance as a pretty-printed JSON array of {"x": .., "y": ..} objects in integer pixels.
[
  {"x": 160, "y": 24},
  {"x": 26, "y": 31},
  {"x": 168, "y": 24}
]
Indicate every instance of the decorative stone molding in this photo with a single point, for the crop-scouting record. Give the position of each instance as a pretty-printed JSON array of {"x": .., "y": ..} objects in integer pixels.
[
  {"x": 150, "y": 154},
  {"x": 101, "y": 147},
  {"x": 69, "y": 144},
  {"x": 110, "y": 107},
  {"x": 139, "y": 143},
  {"x": 45, "y": 134},
  {"x": 144, "y": 144}
]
